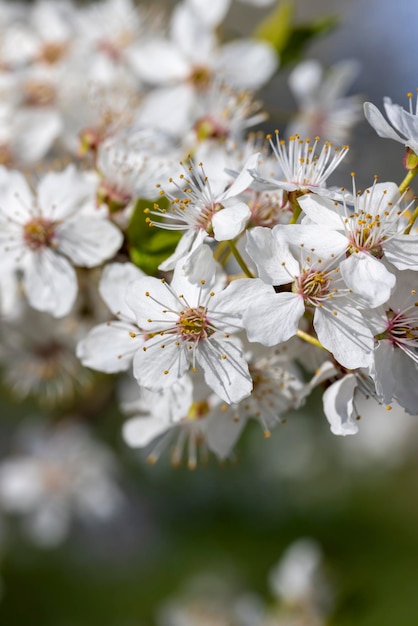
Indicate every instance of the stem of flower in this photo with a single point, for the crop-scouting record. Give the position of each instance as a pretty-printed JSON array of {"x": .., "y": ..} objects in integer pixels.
[
  {"x": 408, "y": 178},
  {"x": 240, "y": 260},
  {"x": 302, "y": 335},
  {"x": 411, "y": 222},
  {"x": 220, "y": 250}
]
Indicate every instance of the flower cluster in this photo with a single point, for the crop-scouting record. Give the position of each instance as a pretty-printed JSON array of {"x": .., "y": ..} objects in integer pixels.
[{"x": 236, "y": 278}]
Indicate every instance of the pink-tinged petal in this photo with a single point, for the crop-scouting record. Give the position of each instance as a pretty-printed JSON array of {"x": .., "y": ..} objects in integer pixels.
[
  {"x": 152, "y": 302},
  {"x": 274, "y": 262},
  {"x": 344, "y": 333},
  {"x": 88, "y": 241},
  {"x": 229, "y": 222},
  {"x": 402, "y": 251},
  {"x": 159, "y": 62},
  {"x": 116, "y": 278},
  {"x": 273, "y": 317},
  {"x": 224, "y": 368},
  {"x": 61, "y": 194},
  {"x": 110, "y": 347},
  {"x": 160, "y": 363},
  {"x": 322, "y": 210},
  {"x": 138, "y": 432},
  {"x": 247, "y": 64},
  {"x": 380, "y": 125},
  {"x": 339, "y": 406},
  {"x": 50, "y": 282},
  {"x": 368, "y": 277}
]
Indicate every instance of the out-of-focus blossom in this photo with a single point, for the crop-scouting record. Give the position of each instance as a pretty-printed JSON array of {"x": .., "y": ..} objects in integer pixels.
[
  {"x": 58, "y": 473},
  {"x": 323, "y": 108},
  {"x": 46, "y": 234}
]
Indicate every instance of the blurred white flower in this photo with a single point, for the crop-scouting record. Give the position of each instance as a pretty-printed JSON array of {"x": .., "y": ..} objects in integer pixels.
[
  {"x": 59, "y": 472},
  {"x": 323, "y": 109},
  {"x": 46, "y": 234}
]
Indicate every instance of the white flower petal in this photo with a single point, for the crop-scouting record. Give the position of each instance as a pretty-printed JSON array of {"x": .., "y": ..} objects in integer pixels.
[
  {"x": 322, "y": 242},
  {"x": 151, "y": 301},
  {"x": 60, "y": 194},
  {"x": 160, "y": 62},
  {"x": 109, "y": 347},
  {"x": 17, "y": 202},
  {"x": 225, "y": 369},
  {"x": 380, "y": 125},
  {"x": 339, "y": 406},
  {"x": 88, "y": 241},
  {"x": 274, "y": 262},
  {"x": 50, "y": 282},
  {"x": 230, "y": 221},
  {"x": 344, "y": 333},
  {"x": 383, "y": 371},
  {"x": 113, "y": 286},
  {"x": 211, "y": 13},
  {"x": 368, "y": 277},
  {"x": 222, "y": 433},
  {"x": 321, "y": 210},
  {"x": 247, "y": 64},
  {"x": 273, "y": 317},
  {"x": 402, "y": 251},
  {"x": 157, "y": 367},
  {"x": 138, "y": 432}
]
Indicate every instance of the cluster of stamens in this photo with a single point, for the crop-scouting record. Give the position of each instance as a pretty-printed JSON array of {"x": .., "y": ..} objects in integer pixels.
[
  {"x": 300, "y": 163},
  {"x": 193, "y": 324},
  {"x": 402, "y": 330},
  {"x": 39, "y": 233},
  {"x": 193, "y": 207},
  {"x": 314, "y": 286}
]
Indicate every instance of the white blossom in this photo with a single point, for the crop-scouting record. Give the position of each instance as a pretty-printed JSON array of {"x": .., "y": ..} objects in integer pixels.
[{"x": 47, "y": 233}]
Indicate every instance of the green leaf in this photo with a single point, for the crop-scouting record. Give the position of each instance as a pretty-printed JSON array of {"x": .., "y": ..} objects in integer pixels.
[
  {"x": 149, "y": 246},
  {"x": 289, "y": 39},
  {"x": 277, "y": 27},
  {"x": 304, "y": 34}
]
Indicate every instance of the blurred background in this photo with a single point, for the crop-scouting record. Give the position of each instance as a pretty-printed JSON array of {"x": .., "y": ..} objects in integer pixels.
[{"x": 216, "y": 534}]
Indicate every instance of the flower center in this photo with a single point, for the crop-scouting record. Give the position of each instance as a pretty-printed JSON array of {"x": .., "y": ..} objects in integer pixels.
[
  {"x": 208, "y": 127},
  {"x": 115, "y": 199},
  {"x": 198, "y": 410},
  {"x": 367, "y": 235},
  {"x": 194, "y": 325},
  {"x": 313, "y": 286},
  {"x": 402, "y": 329},
  {"x": 6, "y": 156},
  {"x": 200, "y": 77},
  {"x": 52, "y": 52},
  {"x": 39, "y": 233},
  {"x": 37, "y": 93}
]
